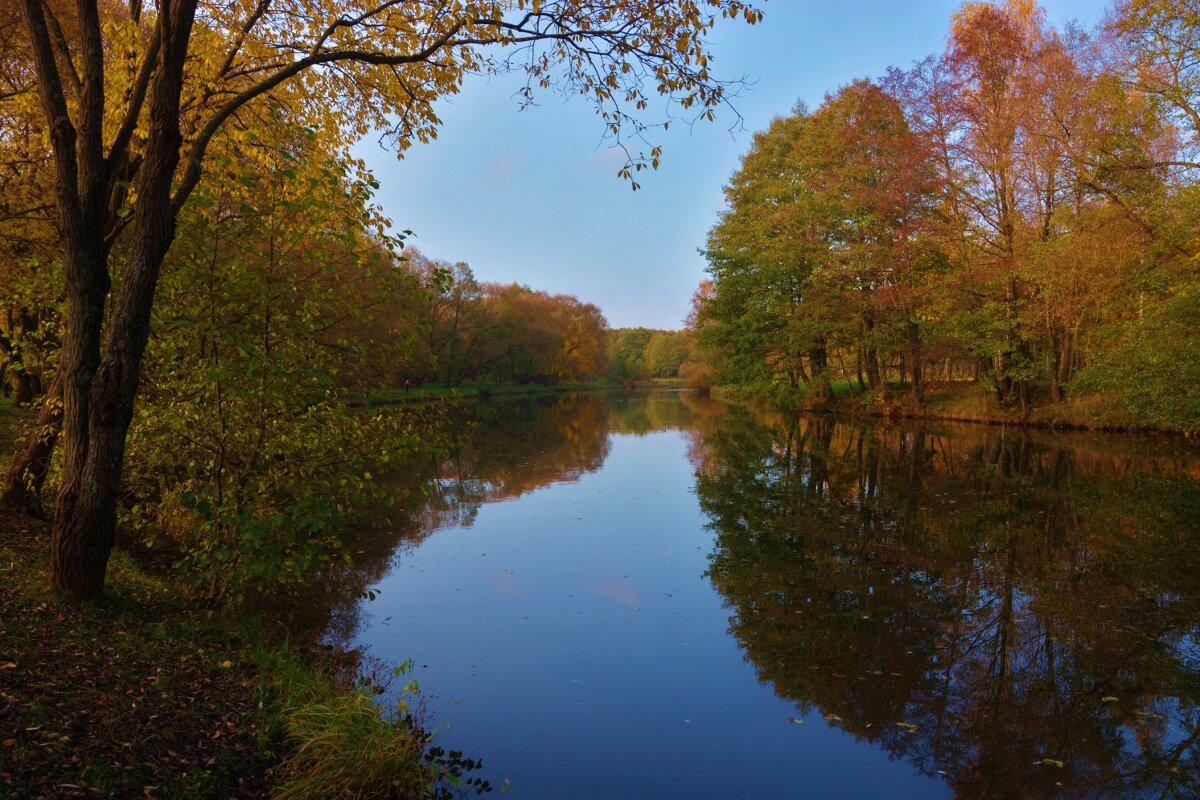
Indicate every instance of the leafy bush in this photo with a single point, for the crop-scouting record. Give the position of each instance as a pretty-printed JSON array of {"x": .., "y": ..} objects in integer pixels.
[{"x": 1151, "y": 368}]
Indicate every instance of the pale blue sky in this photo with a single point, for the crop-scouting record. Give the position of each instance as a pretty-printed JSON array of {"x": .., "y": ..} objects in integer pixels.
[{"x": 532, "y": 196}]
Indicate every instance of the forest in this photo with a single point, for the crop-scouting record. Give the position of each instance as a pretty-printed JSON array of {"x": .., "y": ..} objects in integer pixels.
[
  {"x": 1010, "y": 224},
  {"x": 284, "y": 300}
]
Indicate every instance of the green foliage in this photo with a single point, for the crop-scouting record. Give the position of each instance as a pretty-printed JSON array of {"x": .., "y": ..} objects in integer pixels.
[
  {"x": 246, "y": 458},
  {"x": 665, "y": 352},
  {"x": 638, "y": 353},
  {"x": 1152, "y": 369}
]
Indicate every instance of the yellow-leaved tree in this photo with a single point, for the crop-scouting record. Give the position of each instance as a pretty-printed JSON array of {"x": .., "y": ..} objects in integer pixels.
[{"x": 133, "y": 95}]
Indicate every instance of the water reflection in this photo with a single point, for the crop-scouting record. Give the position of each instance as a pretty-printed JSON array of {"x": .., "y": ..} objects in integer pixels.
[
  {"x": 1015, "y": 613},
  {"x": 506, "y": 448},
  {"x": 640, "y": 595},
  {"x": 493, "y": 451}
]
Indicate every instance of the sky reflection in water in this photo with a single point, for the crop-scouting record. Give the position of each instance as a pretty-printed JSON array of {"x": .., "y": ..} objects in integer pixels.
[{"x": 655, "y": 596}]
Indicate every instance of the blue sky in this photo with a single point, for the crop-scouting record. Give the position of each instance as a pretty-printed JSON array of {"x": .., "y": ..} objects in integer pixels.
[{"x": 532, "y": 196}]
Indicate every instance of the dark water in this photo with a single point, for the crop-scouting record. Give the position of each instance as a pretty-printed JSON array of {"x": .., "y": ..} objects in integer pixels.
[{"x": 660, "y": 597}]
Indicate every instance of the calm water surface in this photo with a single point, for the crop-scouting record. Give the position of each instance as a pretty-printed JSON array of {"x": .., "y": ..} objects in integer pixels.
[{"x": 657, "y": 596}]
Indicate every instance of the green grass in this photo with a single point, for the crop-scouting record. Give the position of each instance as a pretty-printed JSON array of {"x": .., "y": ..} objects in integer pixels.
[{"x": 340, "y": 744}]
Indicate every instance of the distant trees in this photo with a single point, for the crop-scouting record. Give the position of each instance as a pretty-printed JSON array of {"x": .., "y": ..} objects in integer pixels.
[
  {"x": 666, "y": 352},
  {"x": 1011, "y": 211},
  {"x": 640, "y": 353},
  {"x": 469, "y": 331}
]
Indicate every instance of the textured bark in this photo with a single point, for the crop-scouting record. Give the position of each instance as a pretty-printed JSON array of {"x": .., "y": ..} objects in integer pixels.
[
  {"x": 27, "y": 474},
  {"x": 98, "y": 392},
  {"x": 85, "y": 511}
]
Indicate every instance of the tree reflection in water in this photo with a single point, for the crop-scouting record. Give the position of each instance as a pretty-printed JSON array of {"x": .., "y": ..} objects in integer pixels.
[{"x": 1014, "y": 614}]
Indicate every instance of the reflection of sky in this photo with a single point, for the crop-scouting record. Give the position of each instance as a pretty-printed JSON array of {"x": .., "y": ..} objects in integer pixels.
[
  {"x": 573, "y": 626},
  {"x": 571, "y": 640},
  {"x": 533, "y": 197}
]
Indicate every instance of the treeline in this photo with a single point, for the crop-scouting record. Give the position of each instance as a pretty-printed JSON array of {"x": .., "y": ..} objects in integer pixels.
[
  {"x": 1018, "y": 211},
  {"x": 470, "y": 331},
  {"x": 639, "y": 353}
]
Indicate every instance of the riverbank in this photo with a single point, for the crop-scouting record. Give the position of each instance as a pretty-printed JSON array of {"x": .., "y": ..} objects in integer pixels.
[
  {"x": 484, "y": 390},
  {"x": 133, "y": 696},
  {"x": 970, "y": 402},
  {"x": 429, "y": 393},
  {"x": 142, "y": 695}
]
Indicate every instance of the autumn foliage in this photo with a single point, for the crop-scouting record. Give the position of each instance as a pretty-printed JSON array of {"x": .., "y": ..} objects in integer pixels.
[
  {"x": 1018, "y": 212},
  {"x": 117, "y": 116}
]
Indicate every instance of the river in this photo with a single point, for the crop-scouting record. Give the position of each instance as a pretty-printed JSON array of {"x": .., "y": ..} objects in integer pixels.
[{"x": 658, "y": 596}]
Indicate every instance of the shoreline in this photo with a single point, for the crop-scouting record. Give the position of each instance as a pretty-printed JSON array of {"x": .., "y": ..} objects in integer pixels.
[{"x": 968, "y": 403}]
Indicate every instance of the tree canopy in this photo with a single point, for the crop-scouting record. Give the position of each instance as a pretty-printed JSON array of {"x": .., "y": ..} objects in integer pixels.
[
  {"x": 1012, "y": 211},
  {"x": 139, "y": 100}
]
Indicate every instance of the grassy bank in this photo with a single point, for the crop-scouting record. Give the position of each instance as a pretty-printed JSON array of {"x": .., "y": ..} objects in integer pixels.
[
  {"x": 130, "y": 697},
  {"x": 142, "y": 696}
]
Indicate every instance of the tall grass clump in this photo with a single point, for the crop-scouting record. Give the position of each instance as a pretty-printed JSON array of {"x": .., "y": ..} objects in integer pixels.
[{"x": 342, "y": 744}]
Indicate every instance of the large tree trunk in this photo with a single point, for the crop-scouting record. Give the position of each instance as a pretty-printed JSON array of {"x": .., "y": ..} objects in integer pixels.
[
  {"x": 98, "y": 394},
  {"x": 27, "y": 474}
]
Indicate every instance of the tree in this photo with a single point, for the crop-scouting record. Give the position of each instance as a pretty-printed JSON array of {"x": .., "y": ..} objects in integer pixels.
[
  {"x": 627, "y": 353},
  {"x": 666, "y": 352},
  {"x": 772, "y": 325},
  {"x": 825, "y": 245},
  {"x": 247, "y": 455},
  {"x": 133, "y": 98}
]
